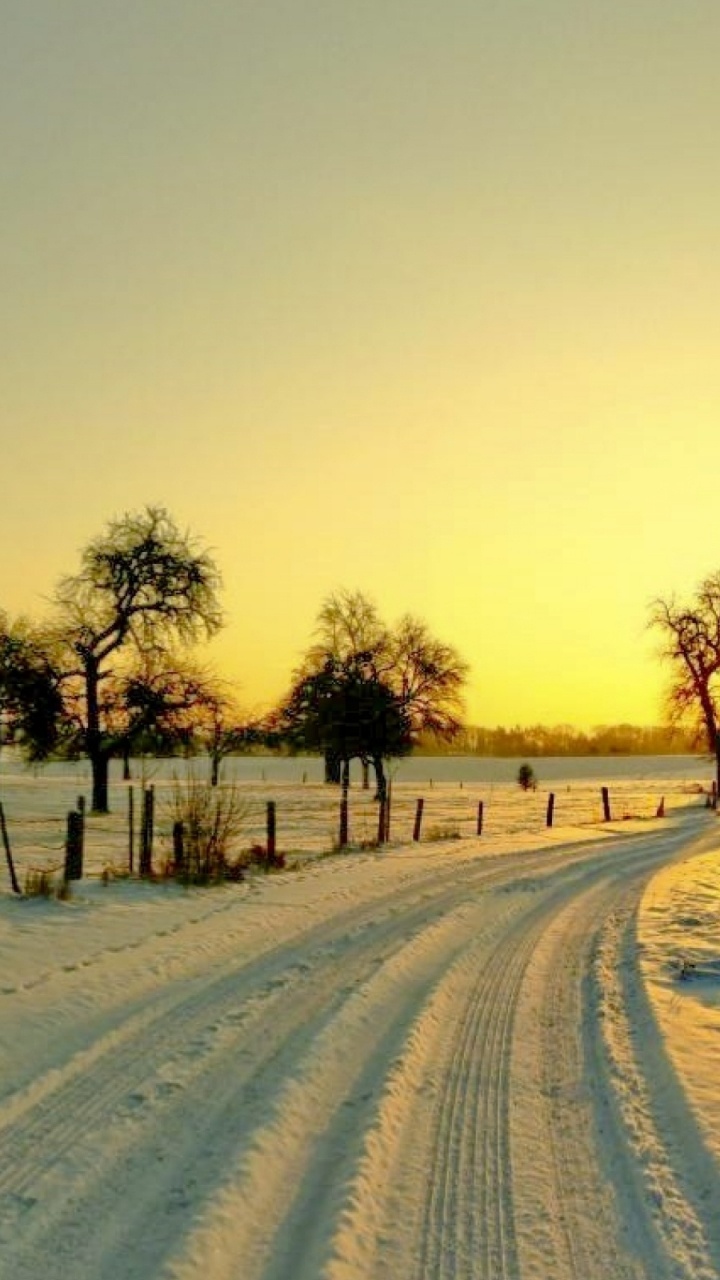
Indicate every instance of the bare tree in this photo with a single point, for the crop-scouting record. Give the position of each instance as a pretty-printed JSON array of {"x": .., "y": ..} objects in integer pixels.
[
  {"x": 143, "y": 587},
  {"x": 691, "y": 646},
  {"x": 161, "y": 705},
  {"x": 348, "y": 622},
  {"x": 428, "y": 677},
  {"x": 222, "y": 728}
]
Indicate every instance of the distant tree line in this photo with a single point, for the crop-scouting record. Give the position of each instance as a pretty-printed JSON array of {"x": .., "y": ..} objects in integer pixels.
[{"x": 564, "y": 740}]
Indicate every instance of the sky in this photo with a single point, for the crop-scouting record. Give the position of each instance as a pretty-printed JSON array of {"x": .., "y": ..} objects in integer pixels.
[{"x": 414, "y": 299}]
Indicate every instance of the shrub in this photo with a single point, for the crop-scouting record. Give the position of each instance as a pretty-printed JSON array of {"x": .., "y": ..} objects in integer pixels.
[
  {"x": 259, "y": 856},
  {"x": 443, "y": 832},
  {"x": 41, "y": 882},
  {"x": 111, "y": 871},
  {"x": 210, "y": 819},
  {"x": 526, "y": 777}
]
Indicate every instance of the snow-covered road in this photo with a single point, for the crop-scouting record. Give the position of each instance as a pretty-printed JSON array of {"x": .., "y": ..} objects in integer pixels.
[{"x": 433, "y": 1063}]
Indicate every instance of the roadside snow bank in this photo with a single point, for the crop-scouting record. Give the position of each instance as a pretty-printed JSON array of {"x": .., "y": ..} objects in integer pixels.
[{"x": 679, "y": 956}]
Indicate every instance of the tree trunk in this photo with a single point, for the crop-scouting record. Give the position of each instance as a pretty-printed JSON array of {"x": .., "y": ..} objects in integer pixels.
[
  {"x": 100, "y": 766},
  {"x": 333, "y": 766},
  {"x": 380, "y": 780},
  {"x": 215, "y": 768},
  {"x": 98, "y": 757}
]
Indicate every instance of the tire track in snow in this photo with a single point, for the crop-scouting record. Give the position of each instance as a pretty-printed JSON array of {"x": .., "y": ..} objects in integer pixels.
[
  {"x": 468, "y": 1222},
  {"x": 296, "y": 1169},
  {"x": 470, "y": 1228},
  {"x": 481, "y": 1071},
  {"x": 556, "y": 1165},
  {"x": 568, "y": 1123},
  {"x": 186, "y": 951},
  {"x": 474, "y": 1100},
  {"x": 491, "y": 1035},
  {"x": 465, "y": 1228},
  {"x": 143, "y": 1000},
  {"x": 438, "y": 1238},
  {"x": 184, "y": 996},
  {"x": 200, "y": 1041}
]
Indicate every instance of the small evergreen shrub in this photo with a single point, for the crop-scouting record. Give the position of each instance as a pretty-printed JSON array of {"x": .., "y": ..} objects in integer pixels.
[{"x": 526, "y": 777}]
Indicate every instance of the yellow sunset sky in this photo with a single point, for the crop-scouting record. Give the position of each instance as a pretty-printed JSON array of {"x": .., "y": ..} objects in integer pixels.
[{"x": 414, "y": 298}]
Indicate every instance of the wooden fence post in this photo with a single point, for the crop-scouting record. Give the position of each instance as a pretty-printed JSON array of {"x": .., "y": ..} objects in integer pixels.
[
  {"x": 550, "y": 807},
  {"x": 8, "y": 854},
  {"x": 388, "y": 806},
  {"x": 381, "y": 822},
  {"x": 343, "y": 836},
  {"x": 270, "y": 829},
  {"x": 151, "y": 822},
  {"x": 131, "y": 829},
  {"x": 178, "y": 840},
  {"x": 74, "y": 846},
  {"x": 418, "y": 819},
  {"x": 480, "y": 814},
  {"x": 80, "y": 806},
  {"x": 146, "y": 831},
  {"x": 606, "y": 803}
]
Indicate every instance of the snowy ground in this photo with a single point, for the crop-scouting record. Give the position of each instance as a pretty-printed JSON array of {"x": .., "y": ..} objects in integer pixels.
[{"x": 487, "y": 1058}]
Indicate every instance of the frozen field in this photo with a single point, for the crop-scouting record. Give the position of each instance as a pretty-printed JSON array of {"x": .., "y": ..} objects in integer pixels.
[{"x": 307, "y": 811}]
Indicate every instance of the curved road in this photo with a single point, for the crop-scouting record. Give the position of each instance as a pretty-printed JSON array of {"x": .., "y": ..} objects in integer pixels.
[{"x": 452, "y": 1076}]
